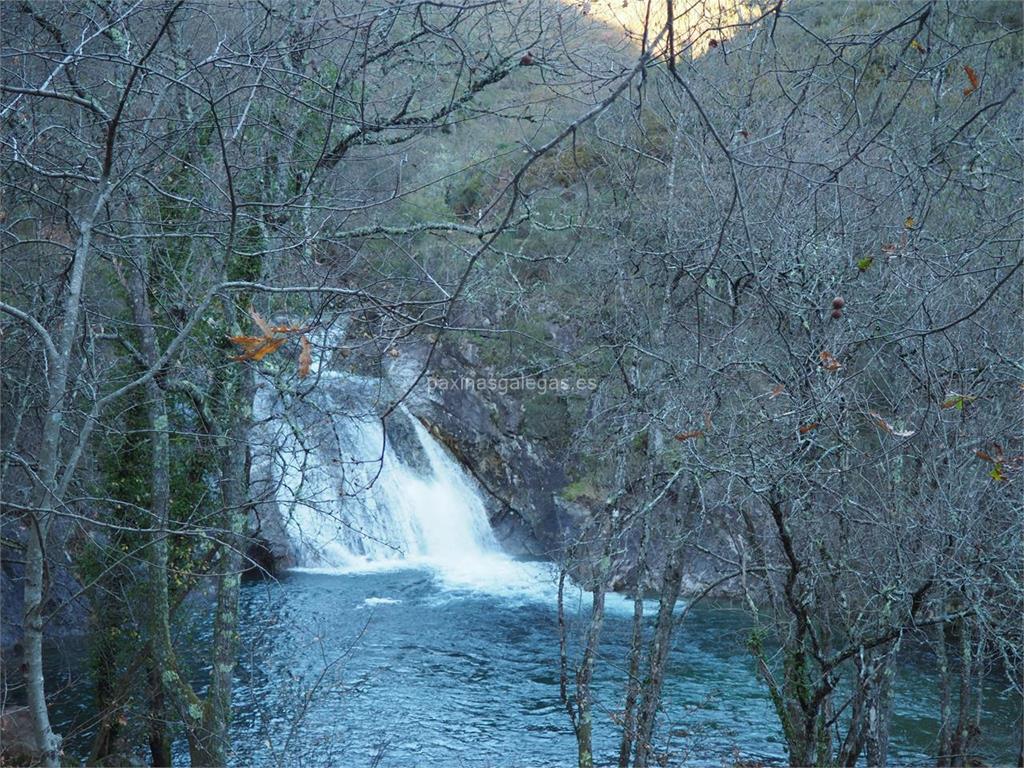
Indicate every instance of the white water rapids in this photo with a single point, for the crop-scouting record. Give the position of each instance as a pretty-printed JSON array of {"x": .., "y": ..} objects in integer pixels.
[{"x": 352, "y": 501}]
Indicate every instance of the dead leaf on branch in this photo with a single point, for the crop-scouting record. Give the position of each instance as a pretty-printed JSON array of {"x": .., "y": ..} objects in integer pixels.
[
  {"x": 682, "y": 437},
  {"x": 889, "y": 427},
  {"x": 893, "y": 249},
  {"x": 255, "y": 348},
  {"x": 305, "y": 358},
  {"x": 261, "y": 323},
  {"x": 829, "y": 361},
  {"x": 972, "y": 78},
  {"x": 1001, "y": 463}
]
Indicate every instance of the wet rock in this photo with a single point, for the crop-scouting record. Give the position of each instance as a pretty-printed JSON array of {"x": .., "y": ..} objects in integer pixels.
[
  {"x": 261, "y": 562},
  {"x": 271, "y": 550},
  {"x": 401, "y": 435},
  {"x": 519, "y": 474}
]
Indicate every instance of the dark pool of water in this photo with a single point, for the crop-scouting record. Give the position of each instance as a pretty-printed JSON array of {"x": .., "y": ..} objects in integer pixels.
[{"x": 392, "y": 669}]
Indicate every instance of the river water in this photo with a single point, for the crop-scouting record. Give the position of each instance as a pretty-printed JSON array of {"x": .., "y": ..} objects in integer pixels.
[{"x": 401, "y": 668}]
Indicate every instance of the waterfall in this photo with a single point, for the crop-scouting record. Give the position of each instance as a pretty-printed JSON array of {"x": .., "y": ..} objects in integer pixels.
[
  {"x": 367, "y": 505},
  {"x": 355, "y": 495}
]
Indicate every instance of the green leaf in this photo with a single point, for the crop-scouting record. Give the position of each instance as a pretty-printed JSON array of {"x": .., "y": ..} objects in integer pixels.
[
  {"x": 958, "y": 401},
  {"x": 864, "y": 264},
  {"x": 997, "y": 473}
]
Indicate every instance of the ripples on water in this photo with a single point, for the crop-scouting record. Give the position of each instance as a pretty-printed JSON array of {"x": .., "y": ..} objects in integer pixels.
[
  {"x": 406, "y": 668},
  {"x": 416, "y": 667}
]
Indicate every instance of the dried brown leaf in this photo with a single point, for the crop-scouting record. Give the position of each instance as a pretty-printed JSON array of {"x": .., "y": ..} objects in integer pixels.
[
  {"x": 829, "y": 361},
  {"x": 262, "y": 324},
  {"x": 973, "y": 78},
  {"x": 305, "y": 358},
  {"x": 682, "y": 437},
  {"x": 889, "y": 427}
]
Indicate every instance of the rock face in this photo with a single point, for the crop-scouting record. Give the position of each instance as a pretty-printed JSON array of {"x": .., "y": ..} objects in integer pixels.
[
  {"x": 514, "y": 443},
  {"x": 270, "y": 550},
  {"x": 491, "y": 434},
  {"x": 508, "y": 442}
]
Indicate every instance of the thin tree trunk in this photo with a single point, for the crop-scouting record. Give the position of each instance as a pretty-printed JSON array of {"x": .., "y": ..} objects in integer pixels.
[
  {"x": 856, "y": 732},
  {"x": 47, "y": 742},
  {"x": 635, "y": 654},
  {"x": 105, "y": 743},
  {"x": 162, "y": 664},
  {"x": 563, "y": 652},
  {"x": 584, "y": 676},
  {"x": 962, "y": 737},
  {"x": 879, "y": 716},
  {"x": 944, "y": 748},
  {"x": 661, "y": 644},
  {"x": 210, "y": 746},
  {"x": 44, "y": 498},
  {"x": 160, "y": 749}
]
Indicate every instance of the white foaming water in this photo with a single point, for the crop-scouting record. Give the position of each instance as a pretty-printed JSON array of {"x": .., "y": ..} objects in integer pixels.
[
  {"x": 352, "y": 501},
  {"x": 372, "y": 602},
  {"x": 368, "y": 508}
]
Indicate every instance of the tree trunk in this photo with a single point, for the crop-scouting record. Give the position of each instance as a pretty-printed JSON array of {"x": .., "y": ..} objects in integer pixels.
[
  {"x": 584, "y": 675},
  {"x": 635, "y": 654},
  {"x": 105, "y": 743},
  {"x": 868, "y": 727},
  {"x": 45, "y": 501},
  {"x": 210, "y": 746},
  {"x": 160, "y": 749},
  {"x": 661, "y": 644},
  {"x": 47, "y": 742},
  {"x": 879, "y": 712},
  {"x": 944, "y": 747},
  {"x": 162, "y": 664}
]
